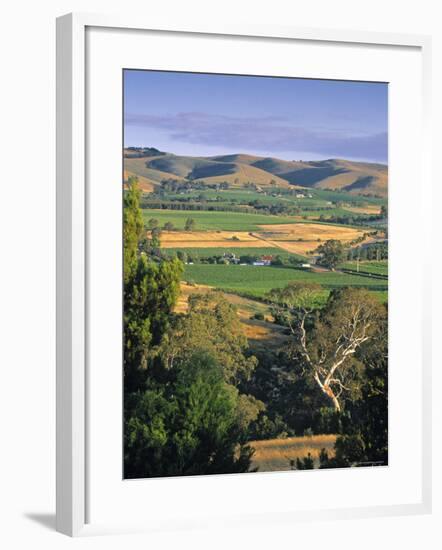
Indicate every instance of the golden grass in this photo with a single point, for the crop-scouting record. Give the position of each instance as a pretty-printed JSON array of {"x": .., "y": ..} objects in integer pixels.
[
  {"x": 263, "y": 334},
  {"x": 245, "y": 173},
  {"x": 309, "y": 231},
  {"x": 301, "y": 238},
  {"x": 295, "y": 247},
  {"x": 138, "y": 167},
  {"x": 145, "y": 184},
  {"x": 185, "y": 291},
  {"x": 209, "y": 239},
  {"x": 284, "y": 236},
  {"x": 275, "y": 454},
  {"x": 368, "y": 209},
  {"x": 260, "y": 334}
]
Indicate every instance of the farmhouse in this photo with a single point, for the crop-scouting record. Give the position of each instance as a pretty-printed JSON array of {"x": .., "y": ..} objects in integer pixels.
[
  {"x": 265, "y": 260},
  {"x": 230, "y": 258}
]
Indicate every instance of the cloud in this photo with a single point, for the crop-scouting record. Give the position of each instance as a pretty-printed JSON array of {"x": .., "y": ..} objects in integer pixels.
[{"x": 267, "y": 134}]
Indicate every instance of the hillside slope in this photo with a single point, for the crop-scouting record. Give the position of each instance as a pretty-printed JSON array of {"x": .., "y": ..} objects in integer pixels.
[{"x": 241, "y": 169}]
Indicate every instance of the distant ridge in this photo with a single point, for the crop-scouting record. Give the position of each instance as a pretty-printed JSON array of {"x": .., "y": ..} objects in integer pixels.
[{"x": 239, "y": 169}]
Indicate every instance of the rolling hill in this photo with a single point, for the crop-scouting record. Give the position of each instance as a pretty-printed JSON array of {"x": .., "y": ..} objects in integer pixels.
[{"x": 239, "y": 169}]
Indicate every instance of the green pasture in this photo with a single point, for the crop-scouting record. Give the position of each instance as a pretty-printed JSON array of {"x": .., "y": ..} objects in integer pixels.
[
  {"x": 371, "y": 267},
  {"x": 320, "y": 199},
  {"x": 343, "y": 196},
  {"x": 223, "y": 221},
  {"x": 259, "y": 280}
]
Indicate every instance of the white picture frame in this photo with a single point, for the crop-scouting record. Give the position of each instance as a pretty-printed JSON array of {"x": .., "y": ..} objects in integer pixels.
[{"x": 73, "y": 209}]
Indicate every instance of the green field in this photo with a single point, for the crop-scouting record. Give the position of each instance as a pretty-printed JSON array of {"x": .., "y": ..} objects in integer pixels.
[
  {"x": 252, "y": 251},
  {"x": 225, "y": 221},
  {"x": 371, "y": 267},
  {"x": 319, "y": 197},
  {"x": 314, "y": 206},
  {"x": 244, "y": 196},
  {"x": 258, "y": 280},
  {"x": 228, "y": 221},
  {"x": 343, "y": 196}
]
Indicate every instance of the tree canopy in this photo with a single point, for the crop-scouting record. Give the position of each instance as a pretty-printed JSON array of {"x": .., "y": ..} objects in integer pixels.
[
  {"x": 186, "y": 428},
  {"x": 212, "y": 325},
  {"x": 331, "y": 253}
]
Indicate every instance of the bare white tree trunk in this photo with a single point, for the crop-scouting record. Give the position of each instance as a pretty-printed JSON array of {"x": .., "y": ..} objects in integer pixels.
[
  {"x": 327, "y": 376},
  {"x": 326, "y": 389}
]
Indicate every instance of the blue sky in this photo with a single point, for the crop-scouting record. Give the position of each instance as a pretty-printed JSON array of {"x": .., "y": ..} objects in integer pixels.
[{"x": 206, "y": 114}]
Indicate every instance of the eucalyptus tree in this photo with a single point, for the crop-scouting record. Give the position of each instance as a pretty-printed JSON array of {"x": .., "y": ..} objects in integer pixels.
[{"x": 326, "y": 340}]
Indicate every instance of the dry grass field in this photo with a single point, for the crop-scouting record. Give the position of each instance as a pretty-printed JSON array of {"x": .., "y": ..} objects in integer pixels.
[
  {"x": 301, "y": 248},
  {"x": 245, "y": 173},
  {"x": 245, "y": 306},
  {"x": 145, "y": 184},
  {"x": 240, "y": 169},
  {"x": 273, "y": 455},
  {"x": 138, "y": 167},
  {"x": 298, "y": 238},
  {"x": 372, "y": 209},
  {"x": 309, "y": 231},
  {"x": 208, "y": 239},
  {"x": 260, "y": 334},
  {"x": 301, "y": 238}
]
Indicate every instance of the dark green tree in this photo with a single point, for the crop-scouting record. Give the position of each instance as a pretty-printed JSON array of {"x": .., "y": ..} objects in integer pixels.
[
  {"x": 331, "y": 253},
  {"x": 152, "y": 223},
  {"x": 187, "y": 427},
  {"x": 190, "y": 225},
  {"x": 211, "y": 325},
  {"x": 133, "y": 228},
  {"x": 168, "y": 226},
  {"x": 182, "y": 255},
  {"x": 151, "y": 289},
  {"x": 305, "y": 463}
]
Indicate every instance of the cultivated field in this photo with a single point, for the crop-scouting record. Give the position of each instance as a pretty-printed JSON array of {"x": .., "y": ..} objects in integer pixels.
[
  {"x": 298, "y": 238},
  {"x": 209, "y": 239},
  {"x": 371, "y": 267},
  {"x": 310, "y": 207},
  {"x": 258, "y": 281},
  {"x": 206, "y": 220},
  {"x": 273, "y": 455},
  {"x": 259, "y": 234},
  {"x": 303, "y": 238},
  {"x": 309, "y": 232},
  {"x": 367, "y": 209}
]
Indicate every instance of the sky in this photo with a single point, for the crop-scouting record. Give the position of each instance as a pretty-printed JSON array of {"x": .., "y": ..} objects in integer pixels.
[{"x": 289, "y": 118}]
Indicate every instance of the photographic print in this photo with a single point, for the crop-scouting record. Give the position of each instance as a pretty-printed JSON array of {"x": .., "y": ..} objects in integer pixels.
[{"x": 255, "y": 281}]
